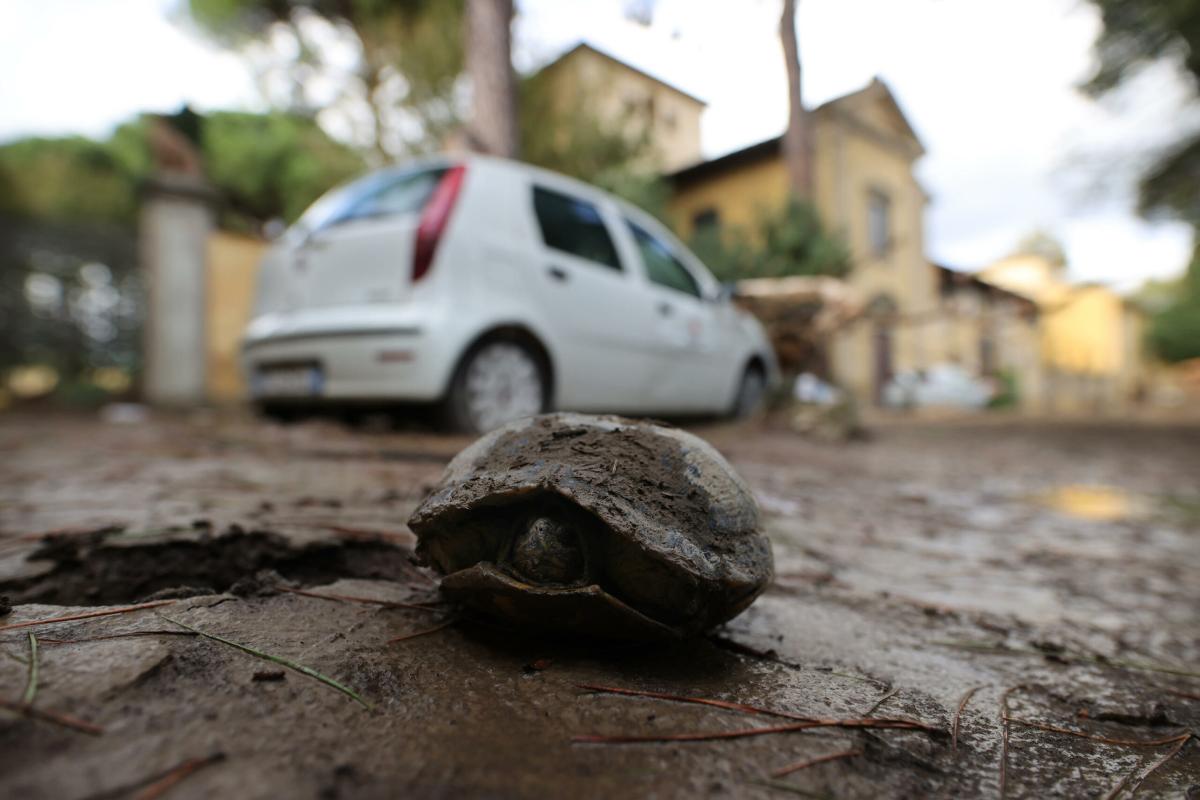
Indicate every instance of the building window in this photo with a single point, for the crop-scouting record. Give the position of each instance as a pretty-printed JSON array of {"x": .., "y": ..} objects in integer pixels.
[
  {"x": 879, "y": 222},
  {"x": 705, "y": 221}
]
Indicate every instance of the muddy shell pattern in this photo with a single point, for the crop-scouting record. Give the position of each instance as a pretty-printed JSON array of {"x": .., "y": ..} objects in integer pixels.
[{"x": 668, "y": 531}]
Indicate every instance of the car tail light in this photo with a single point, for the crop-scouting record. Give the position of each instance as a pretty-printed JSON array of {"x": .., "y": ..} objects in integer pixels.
[{"x": 434, "y": 219}]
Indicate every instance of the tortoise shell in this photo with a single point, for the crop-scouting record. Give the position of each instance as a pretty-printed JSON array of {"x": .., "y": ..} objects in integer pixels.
[{"x": 599, "y": 526}]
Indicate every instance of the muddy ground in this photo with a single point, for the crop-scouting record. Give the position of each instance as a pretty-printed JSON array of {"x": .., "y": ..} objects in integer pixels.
[{"x": 1057, "y": 563}]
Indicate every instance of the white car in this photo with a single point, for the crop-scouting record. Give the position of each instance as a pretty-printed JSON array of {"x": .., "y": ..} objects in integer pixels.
[{"x": 497, "y": 290}]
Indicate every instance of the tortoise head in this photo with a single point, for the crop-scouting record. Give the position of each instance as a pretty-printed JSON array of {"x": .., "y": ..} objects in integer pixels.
[{"x": 547, "y": 548}]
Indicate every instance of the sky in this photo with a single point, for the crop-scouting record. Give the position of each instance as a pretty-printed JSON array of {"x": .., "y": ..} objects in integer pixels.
[{"x": 989, "y": 86}]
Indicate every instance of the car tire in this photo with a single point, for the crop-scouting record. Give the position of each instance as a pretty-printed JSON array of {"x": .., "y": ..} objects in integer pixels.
[
  {"x": 280, "y": 413},
  {"x": 499, "y": 380},
  {"x": 752, "y": 391}
]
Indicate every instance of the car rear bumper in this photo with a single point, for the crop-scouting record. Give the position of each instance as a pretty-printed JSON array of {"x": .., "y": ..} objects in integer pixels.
[{"x": 397, "y": 361}]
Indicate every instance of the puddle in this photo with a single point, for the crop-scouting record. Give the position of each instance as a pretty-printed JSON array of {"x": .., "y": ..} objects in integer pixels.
[{"x": 1093, "y": 502}]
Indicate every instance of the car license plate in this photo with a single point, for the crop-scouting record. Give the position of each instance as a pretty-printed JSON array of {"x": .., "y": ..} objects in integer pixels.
[{"x": 288, "y": 382}]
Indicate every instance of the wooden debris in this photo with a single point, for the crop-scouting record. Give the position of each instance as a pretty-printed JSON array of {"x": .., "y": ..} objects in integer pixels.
[
  {"x": 962, "y": 704},
  {"x": 1096, "y": 738},
  {"x": 55, "y": 717},
  {"x": 159, "y": 787},
  {"x": 1004, "y": 718},
  {"x": 345, "y": 598},
  {"x": 434, "y": 629},
  {"x": 899, "y": 724},
  {"x": 303, "y": 670},
  {"x": 875, "y": 706},
  {"x": 725, "y": 704},
  {"x": 89, "y": 615},
  {"x": 31, "y": 682},
  {"x": 812, "y": 762}
]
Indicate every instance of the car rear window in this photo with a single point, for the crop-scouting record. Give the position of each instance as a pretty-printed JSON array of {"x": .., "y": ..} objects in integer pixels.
[
  {"x": 662, "y": 266},
  {"x": 378, "y": 194},
  {"x": 574, "y": 226}
]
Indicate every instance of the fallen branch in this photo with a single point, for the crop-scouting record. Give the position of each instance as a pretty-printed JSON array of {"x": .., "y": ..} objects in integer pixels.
[
  {"x": 89, "y": 615},
  {"x": 31, "y": 682},
  {"x": 1004, "y": 720},
  {"x": 434, "y": 629},
  {"x": 1096, "y": 738},
  {"x": 1066, "y": 657},
  {"x": 346, "y": 598},
  {"x": 369, "y": 533},
  {"x": 303, "y": 670},
  {"x": 875, "y": 706},
  {"x": 962, "y": 704},
  {"x": 1174, "y": 751},
  {"x": 703, "y": 701},
  {"x": 55, "y": 717},
  {"x": 900, "y": 724},
  {"x": 128, "y": 635},
  {"x": 159, "y": 787},
  {"x": 812, "y": 762}
]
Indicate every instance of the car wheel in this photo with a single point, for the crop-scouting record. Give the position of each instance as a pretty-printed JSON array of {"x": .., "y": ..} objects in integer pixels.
[
  {"x": 751, "y": 392},
  {"x": 498, "y": 382},
  {"x": 277, "y": 412}
]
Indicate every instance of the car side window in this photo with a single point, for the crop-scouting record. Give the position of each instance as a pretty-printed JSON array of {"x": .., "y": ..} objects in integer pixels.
[
  {"x": 574, "y": 226},
  {"x": 662, "y": 266}
]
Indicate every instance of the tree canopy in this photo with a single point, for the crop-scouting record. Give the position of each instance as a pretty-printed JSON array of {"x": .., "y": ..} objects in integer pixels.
[
  {"x": 396, "y": 98},
  {"x": 1136, "y": 35},
  {"x": 790, "y": 240}
]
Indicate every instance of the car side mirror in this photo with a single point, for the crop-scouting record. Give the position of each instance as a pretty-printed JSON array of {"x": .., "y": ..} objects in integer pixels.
[
  {"x": 726, "y": 292},
  {"x": 273, "y": 229}
]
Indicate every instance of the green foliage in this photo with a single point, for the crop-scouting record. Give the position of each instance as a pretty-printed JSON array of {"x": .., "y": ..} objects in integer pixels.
[
  {"x": 1136, "y": 34},
  {"x": 565, "y": 135},
  {"x": 272, "y": 165},
  {"x": 410, "y": 58},
  {"x": 263, "y": 165},
  {"x": 1174, "y": 332},
  {"x": 1008, "y": 393},
  {"x": 790, "y": 240},
  {"x": 70, "y": 292},
  {"x": 71, "y": 178}
]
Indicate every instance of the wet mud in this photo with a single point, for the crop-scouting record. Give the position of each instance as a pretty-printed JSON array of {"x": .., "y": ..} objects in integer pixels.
[{"x": 920, "y": 576}]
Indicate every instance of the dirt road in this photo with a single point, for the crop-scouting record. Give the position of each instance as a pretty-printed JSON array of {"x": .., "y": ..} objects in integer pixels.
[{"x": 933, "y": 574}]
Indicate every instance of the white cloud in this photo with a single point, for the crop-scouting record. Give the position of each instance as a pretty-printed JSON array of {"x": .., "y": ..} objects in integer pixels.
[
  {"x": 988, "y": 84},
  {"x": 81, "y": 66}
]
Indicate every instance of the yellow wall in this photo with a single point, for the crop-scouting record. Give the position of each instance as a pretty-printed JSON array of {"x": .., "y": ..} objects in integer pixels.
[
  {"x": 1089, "y": 337},
  {"x": 860, "y": 145},
  {"x": 615, "y": 94},
  {"x": 232, "y": 273}
]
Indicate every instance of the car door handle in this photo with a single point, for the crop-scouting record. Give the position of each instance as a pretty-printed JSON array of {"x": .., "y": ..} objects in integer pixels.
[
  {"x": 558, "y": 273},
  {"x": 666, "y": 309}
]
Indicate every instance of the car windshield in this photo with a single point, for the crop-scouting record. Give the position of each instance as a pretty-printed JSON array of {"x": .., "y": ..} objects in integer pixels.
[{"x": 391, "y": 191}]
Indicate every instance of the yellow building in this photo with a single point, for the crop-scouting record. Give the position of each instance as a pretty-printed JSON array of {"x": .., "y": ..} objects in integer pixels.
[
  {"x": 586, "y": 80},
  {"x": 230, "y": 275},
  {"x": 1089, "y": 337},
  {"x": 987, "y": 331},
  {"x": 864, "y": 151}
]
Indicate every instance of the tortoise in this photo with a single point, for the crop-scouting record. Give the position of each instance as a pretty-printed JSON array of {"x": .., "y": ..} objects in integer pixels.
[{"x": 596, "y": 526}]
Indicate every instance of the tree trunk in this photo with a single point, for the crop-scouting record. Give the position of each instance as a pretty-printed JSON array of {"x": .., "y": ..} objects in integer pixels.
[
  {"x": 797, "y": 139},
  {"x": 493, "y": 125}
]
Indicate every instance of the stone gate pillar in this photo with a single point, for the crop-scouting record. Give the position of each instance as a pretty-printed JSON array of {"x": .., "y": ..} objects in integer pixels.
[{"x": 177, "y": 218}]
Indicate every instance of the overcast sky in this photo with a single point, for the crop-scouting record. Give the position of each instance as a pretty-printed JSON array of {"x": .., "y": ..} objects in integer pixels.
[{"x": 987, "y": 84}]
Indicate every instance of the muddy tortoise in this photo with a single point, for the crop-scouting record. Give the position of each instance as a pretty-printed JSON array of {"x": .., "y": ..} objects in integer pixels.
[{"x": 595, "y": 526}]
